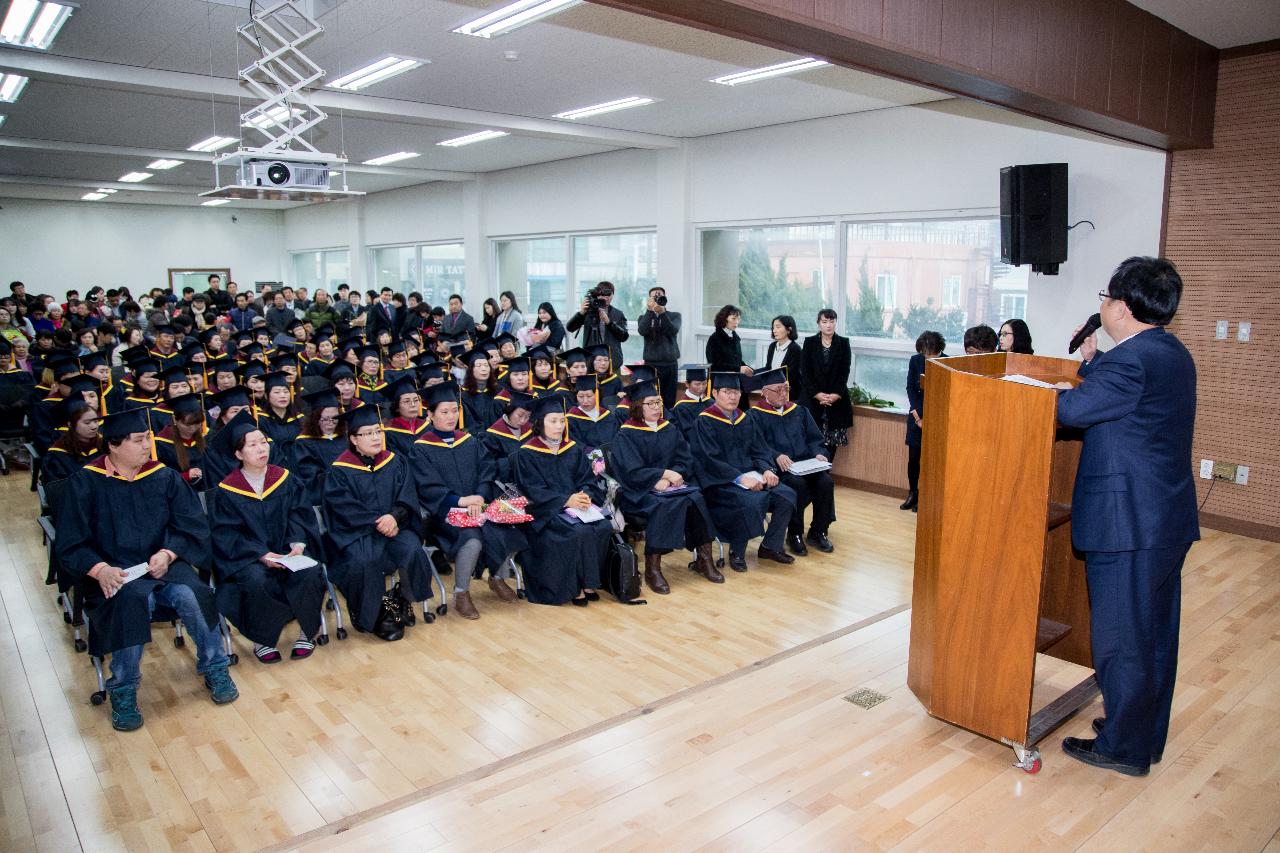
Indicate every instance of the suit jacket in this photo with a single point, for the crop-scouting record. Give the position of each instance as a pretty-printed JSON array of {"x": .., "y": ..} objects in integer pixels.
[
  {"x": 915, "y": 398},
  {"x": 1137, "y": 405},
  {"x": 724, "y": 352},
  {"x": 791, "y": 361},
  {"x": 819, "y": 377},
  {"x": 461, "y": 324},
  {"x": 378, "y": 319}
]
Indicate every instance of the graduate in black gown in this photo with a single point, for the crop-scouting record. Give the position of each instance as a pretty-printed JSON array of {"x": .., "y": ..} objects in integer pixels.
[
  {"x": 258, "y": 514},
  {"x": 505, "y": 435},
  {"x": 77, "y": 445},
  {"x": 406, "y": 424},
  {"x": 565, "y": 557},
  {"x": 322, "y": 440},
  {"x": 370, "y": 510},
  {"x": 279, "y": 418},
  {"x": 591, "y": 425},
  {"x": 692, "y": 401},
  {"x": 122, "y": 510},
  {"x": 479, "y": 386},
  {"x": 454, "y": 471},
  {"x": 369, "y": 381},
  {"x": 182, "y": 444},
  {"x": 231, "y": 402},
  {"x": 41, "y": 416},
  {"x": 650, "y": 460},
  {"x": 610, "y": 384},
  {"x": 734, "y": 468},
  {"x": 516, "y": 379},
  {"x": 792, "y": 436},
  {"x": 174, "y": 382}
]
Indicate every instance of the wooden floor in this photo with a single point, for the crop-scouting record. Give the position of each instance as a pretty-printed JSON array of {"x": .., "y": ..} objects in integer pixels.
[{"x": 711, "y": 718}]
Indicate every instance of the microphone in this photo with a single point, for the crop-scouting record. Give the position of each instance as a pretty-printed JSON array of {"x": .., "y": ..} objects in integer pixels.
[{"x": 1090, "y": 326}]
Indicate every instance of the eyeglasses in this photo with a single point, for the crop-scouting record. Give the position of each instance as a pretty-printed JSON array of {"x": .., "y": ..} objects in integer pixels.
[
  {"x": 1104, "y": 296},
  {"x": 369, "y": 433}
]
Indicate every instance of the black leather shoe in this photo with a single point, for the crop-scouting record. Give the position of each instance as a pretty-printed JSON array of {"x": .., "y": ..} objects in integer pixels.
[
  {"x": 1086, "y": 750},
  {"x": 1099, "y": 722},
  {"x": 591, "y": 596},
  {"x": 777, "y": 556},
  {"x": 912, "y": 499},
  {"x": 579, "y": 602},
  {"x": 796, "y": 546},
  {"x": 820, "y": 541},
  {"x": 737, "y": 562}
]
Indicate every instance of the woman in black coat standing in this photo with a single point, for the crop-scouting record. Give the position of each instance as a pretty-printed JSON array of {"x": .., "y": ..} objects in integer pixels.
[
  {"x": 928, "y": 345},
  {"x": 784, "y": 349},
  {"x": 824, "y": 373},
  {"x": 724, "y": 347}
]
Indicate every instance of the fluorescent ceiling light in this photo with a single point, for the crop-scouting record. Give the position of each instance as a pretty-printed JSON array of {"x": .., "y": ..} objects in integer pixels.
[
  {"x": 11, "y": 86},
  {"x": 607, "y": 107},
  {"x": 754, "y": 74},
  {"x": 482, "y": 136},
  {"x": 134, "y": 177},
  {"x": 98, "y": 196},
  {"x": 33, "y": 23},
  {"x": 276, "y": 116},
  {"x": 214, "y": 202},
  {"x": 513, "y": 15},
  {"x": 161, "y": 165},
  {"x": 388, "y": 66},
  {"x": 105, "y": 190},
  {"x": 391, "y": 158},
  {"x": 213, "y": 143}
]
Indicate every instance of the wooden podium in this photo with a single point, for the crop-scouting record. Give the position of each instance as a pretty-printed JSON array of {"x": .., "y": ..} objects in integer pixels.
[{"x": 996, "y": 579}]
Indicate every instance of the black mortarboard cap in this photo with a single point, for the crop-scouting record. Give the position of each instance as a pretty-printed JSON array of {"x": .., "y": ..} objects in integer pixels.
[
  {"x": 126, "y": 423},
  {"x": 275, "y": 379},
  {"x": 63, "y": 365},
  {"x": 228, "y": 398},
  {"x": 399, "y": 387},
  {"x": 339, "y": 370},
  {"x": 325, "y": 331},
  {"x": 642, "y": 391},
  {"x": 284, "y": 342},
  {"x": 81, "y": 382},
  {"x": 519, "y": 364},
  {"x": 146, "y": 365},
  {"x": 726, "y": 380},
  {"x": 546, "y": 405},
  {"x": 475, "y": 355},
  {"x": 208, "y": 335},
  {"x": 777, "y": 376},
  {"x": 65, "y": 411},
  {"x": 242, "y": 338},
  {"x": 594, "y": 352},
  {"x": 445, "y": 392},
  {"x": 520, "y": 400},
  {"x": 573, "y": 356},
  {"x": 642, "y": 372},
  {"x": 250, "y": 369},
  {"x": 186, "y": 404},
  {"x": 458, "y": 350},
  {"x": 175, "y": 373},
  {"x": 586, "y": 383},
  {"x": 506, "y": 337},
  {"x": 226, "y": 438},
  {"x": 350, "y": 342},
  {"x": 132, "y": 354},
  {"x": 280, "y": 359},
  {"x": 540, "y": 351},
  {"x": 165, "y": 329},
  {"x": 694, "y": 373},
  {"x": 486, "y": 344},
  {"x": 253, "y": 348},
  {"x": 191, "y": 350},
  {"x": 368, "y": 352},
  {"x": 92, "y": 360},
  {"x": 223, "y": 365},
  {"x": 324, "y": 398},
  {"x": 361, "y": 417}
]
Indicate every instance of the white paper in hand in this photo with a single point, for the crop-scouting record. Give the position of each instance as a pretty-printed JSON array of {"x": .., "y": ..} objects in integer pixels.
[
  {"x": 590, "y": 514},
  {"x": 809, "y": 466},
  {"x": 743, "y": 480},
  {"x": 296, "y": 564},
  {"x": 134, "y": 572},
  {"x": 1027, "y": 380}
]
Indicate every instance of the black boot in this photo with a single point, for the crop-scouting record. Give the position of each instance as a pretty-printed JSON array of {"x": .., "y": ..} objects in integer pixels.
[{"x": 913, "y": 498}]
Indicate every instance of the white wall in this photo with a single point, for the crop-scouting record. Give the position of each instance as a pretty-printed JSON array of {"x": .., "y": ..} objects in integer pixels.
[{"x": 54, "y": 246}]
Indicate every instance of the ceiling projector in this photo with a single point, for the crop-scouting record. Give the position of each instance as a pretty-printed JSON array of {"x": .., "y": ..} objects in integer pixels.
[{"x": 282, "y": 173}]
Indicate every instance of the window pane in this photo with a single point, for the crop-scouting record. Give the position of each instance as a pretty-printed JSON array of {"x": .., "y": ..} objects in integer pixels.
[
  {"x": 308, "y": 270},
  {"x": 396, "y": 267},
  {"x": 905, "y": 277},
  {"x": 444, "y": 271},
  {"x": 535, "y": 271},
  {"x": 337, "y": 269},
  {"x": 883, "y": 376},
  {"x": 787, "y": 269},
  {"x": 630, "y": 262}
]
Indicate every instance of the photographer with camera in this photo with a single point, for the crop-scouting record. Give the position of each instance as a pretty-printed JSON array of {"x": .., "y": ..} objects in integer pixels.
[
  {"x": 602, "y": 324},
  {"x": 660, "y": 329}
]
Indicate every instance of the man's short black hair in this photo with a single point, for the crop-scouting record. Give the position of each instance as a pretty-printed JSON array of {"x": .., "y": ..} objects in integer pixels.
[
  {"x": 1151, "y": 287},
  {"x": 658, "y": 287},
  {"x": 387, "y": 290},
  {"x": 71, "y": 293},
  {"x": 981, "y": 338},
  {"x": 344, "y": 286},
  {"x": 14, "y": 285},
  {"x": 453, "y": 296},
  {"x": 187, "y": 290},
  {"x": 212, "y": 276},
  {"x": 242, "y": 295}
]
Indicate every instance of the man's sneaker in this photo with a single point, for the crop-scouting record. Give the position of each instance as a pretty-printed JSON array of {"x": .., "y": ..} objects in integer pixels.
[
  {"x": 221, "y": 688},
  {"x": 125, "y": 716}
]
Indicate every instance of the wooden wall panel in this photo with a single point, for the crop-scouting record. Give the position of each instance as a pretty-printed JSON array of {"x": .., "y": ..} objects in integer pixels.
[
  {"x": 1223, "y": 232},
  {"x": 876, "y": 458},
  {"x": 1101, "y": 65},
  {"x": 1157, "y": 53}
]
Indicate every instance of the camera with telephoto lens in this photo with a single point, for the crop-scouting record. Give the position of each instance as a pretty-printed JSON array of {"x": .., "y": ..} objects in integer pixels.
[
  {"x": 595, "y": 301},
  {"x": 660, "y": 300}
]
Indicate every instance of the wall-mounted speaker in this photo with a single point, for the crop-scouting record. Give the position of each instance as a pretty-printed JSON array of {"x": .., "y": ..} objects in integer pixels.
[{"x": 1033, "y": 216}]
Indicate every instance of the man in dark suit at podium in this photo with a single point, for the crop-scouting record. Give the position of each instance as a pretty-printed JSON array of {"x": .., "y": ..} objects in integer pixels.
[{"x": 1133, "y": 511}]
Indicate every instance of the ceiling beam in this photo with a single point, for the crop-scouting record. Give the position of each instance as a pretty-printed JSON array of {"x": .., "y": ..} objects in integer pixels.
[
  {"x": 113, "y": 75},
  {"x": 423, "y": 175}
]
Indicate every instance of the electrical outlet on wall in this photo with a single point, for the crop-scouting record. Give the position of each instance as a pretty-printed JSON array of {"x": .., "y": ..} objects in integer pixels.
[
  {"x": 1242, "y": 475},
  {"x": 1220, "y": 330},
  {"x": 1244, "y": 331},
  {"x": 1225, "y": 471},
  {"x": 1206, "y": 469}
]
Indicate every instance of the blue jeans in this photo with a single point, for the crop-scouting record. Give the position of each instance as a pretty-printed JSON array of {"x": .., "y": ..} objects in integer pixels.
[{"x": 126, "y": 664}]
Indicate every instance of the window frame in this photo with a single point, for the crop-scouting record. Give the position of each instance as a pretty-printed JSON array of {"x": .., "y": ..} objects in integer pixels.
[
  {"x": 417, "y": 247},
  {"x": 324, "y": 265}
]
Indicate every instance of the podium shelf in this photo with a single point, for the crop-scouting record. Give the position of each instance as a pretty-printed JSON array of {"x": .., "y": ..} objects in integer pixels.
[
  {"x": 1049, "y": 632},
  {"x": 1059, "y": 514}
]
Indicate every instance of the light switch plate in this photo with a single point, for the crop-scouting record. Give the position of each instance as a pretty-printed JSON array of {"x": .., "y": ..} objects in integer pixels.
[
  {"x": 1244, "y": 331},
  {"x": 1206, "y": 469},
  {"x": 1220, "y": 333}
]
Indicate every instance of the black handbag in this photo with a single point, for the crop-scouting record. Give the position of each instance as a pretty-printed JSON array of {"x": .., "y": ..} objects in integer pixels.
[
  {"x": 621, "y": 574},
  {"x": 391, "y": 615}
]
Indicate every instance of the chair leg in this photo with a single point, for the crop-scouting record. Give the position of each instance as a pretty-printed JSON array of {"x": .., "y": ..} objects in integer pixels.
[
  {"x": 178, "y": 639},
  {"x": 100, "y": 695},
  {"x": 443, "y": 607}
]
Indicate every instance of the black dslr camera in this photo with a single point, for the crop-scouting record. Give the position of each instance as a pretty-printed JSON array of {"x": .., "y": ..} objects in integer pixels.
[{"x": 595, "y": 302}]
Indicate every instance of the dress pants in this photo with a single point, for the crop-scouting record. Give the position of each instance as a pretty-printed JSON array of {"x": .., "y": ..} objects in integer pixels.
[
  {"x": 817, "y": 489},
  {"x": 1136, "y": 600}
]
